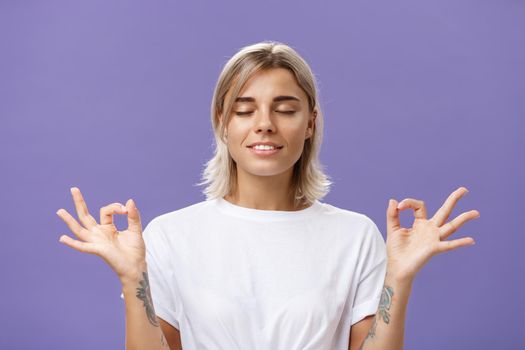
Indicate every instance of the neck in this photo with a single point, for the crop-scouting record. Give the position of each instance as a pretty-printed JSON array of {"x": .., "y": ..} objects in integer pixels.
[{"x": 264, "y": 192}]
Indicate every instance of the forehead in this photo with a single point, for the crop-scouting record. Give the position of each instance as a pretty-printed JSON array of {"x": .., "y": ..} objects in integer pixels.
[{"x": 272, "y": 82}]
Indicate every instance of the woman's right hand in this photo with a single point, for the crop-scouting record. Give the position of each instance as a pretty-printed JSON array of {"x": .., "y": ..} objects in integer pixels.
[{"x": 123, "y": 251}]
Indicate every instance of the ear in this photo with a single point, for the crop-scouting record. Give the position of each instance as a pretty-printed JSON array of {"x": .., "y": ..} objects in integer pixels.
[
  {"x": 224, "y": 137},
  {"x": 221, "y": 122},
  {"x": 311, "y": 125}
]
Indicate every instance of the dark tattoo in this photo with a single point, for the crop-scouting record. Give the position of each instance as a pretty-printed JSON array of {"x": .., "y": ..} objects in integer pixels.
[
  {"x": 163, "y": 341},
  {"x": 385, "y": 303},
  {"x": 383, "y": 311},
  {"x": 144, "y": 294}
]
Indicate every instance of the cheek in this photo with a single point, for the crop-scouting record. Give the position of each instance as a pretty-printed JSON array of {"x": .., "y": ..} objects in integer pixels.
[
  {"x": 237, "y": 134},
  {"x": 238, "y": 127},
  {"x": 295, "y": 134},
  {"x": 236, "y": 140}
]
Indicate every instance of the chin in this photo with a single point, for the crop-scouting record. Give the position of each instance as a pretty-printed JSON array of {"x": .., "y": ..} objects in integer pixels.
[{"x": 265, "y": 171}]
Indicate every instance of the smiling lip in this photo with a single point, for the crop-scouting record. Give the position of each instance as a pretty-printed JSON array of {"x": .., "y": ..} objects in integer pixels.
[
  {"x": 261, "y": 152},
  {"x": 266, "y": 143}
]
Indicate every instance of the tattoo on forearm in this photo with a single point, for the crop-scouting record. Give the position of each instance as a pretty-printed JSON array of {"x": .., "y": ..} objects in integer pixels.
[
  {"x": 144, "y": 294},
  {"x": 383, "y": 311},
  {"x": 163, "y": 341},
  {"x": 385, "y": 303}
]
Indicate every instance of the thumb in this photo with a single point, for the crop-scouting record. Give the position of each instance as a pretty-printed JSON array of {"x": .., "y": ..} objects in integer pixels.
[{"x": 133, "y": 217}]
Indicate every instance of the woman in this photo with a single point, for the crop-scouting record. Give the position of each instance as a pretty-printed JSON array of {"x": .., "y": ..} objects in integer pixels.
[{"x": 262, "y": 263}]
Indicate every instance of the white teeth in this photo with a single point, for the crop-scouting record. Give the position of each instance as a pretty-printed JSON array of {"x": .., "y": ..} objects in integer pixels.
[{"x": 263, "y": 147}]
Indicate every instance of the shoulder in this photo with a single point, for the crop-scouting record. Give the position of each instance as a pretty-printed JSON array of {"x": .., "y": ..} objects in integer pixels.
[
  {"x": 190, "y": 212},
  {"x": 174, "y": 221},
  {"x": 349, "y": 218},
  {"x": 362, "y": 241},
  {"x": 358, "y": 229}
]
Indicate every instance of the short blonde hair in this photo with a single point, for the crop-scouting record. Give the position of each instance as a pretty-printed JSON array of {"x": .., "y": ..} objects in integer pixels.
[{"x": 309, "y": 182}]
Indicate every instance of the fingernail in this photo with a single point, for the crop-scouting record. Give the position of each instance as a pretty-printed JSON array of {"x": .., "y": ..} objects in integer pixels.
[{"x": 124, "y": 208}]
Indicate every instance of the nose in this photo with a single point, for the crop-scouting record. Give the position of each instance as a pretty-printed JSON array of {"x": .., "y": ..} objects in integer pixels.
[{"x": 264, "y": 123}]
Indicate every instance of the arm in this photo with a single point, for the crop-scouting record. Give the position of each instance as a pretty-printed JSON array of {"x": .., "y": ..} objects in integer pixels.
[
  {"x": 172, "y": 335},
  {"x": 385, "y": 329},
  {"x": 124, "y": 252},
  {"x": 142, "y": 325},
  {"x": 359, "y": 331},
  {"x": 408, "y": 250}
]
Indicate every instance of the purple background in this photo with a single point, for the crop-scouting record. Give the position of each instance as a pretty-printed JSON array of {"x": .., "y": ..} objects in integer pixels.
[{"x": 420, "y": 97}]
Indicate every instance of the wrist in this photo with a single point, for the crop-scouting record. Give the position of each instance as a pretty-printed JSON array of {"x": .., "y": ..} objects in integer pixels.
[
  {"x": 134, "y": 276},
  {"x": 405, "y": 281}
]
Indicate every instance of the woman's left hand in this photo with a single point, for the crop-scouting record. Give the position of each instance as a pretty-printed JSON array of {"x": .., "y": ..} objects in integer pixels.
[{"x": 409, "y": 249}]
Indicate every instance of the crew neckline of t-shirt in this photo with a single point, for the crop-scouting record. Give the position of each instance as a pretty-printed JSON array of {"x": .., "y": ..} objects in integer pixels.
[{"x": 268, "y": 215}]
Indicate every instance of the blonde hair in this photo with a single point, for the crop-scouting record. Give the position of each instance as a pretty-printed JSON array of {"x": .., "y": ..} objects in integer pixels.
[{"x": 309, "y": 182}]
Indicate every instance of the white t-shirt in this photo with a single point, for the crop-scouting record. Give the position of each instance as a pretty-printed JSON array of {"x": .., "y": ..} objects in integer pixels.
[{"x": 231, "y": 277}]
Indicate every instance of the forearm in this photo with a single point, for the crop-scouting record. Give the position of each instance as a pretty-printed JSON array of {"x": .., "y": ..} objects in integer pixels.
[
  {"x": 142, "y": 326},
  {"x": 388, "y": 329}
]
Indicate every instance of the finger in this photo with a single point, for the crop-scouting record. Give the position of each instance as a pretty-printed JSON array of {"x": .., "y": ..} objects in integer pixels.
[
  {"x": 133, "y": 217},
  {"x": 107, "y": 212},
  {"x": 84, "y": 247},
  {"x": 392, "y": 216},
  {"x": 73, "y": 225},
  {"x": 445, "y": 246},
  {"x": 420, "y": 211},
  {"x": 442, "y": 214},
  {"x": 83, "y": 214},
  {"x": 452, "y": 226}
]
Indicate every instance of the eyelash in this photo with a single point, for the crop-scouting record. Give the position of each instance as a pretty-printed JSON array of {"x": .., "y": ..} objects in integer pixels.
[{"x": 284, "y": 112}]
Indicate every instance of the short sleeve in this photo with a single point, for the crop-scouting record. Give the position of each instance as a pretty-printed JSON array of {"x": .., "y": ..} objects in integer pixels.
[
  {"x": 370, "y": 286},
  {"x": 164, "y": 300}
]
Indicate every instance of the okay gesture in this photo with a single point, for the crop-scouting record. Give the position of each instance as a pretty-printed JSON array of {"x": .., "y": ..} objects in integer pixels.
[{"x": 409, "y": 249}]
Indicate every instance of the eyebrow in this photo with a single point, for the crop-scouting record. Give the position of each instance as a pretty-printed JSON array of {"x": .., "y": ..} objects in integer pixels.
[{"x": 275, "y": 99}]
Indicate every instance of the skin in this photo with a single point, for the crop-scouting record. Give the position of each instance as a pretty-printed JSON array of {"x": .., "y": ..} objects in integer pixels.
[
  {"x": 124, "y": 252},
  {"x": 408, "y": 250},
  {"x": 263, "y": 182}
]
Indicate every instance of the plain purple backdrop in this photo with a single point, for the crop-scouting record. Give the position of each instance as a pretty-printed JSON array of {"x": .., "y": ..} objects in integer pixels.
[{"x": 419, "y": 98}]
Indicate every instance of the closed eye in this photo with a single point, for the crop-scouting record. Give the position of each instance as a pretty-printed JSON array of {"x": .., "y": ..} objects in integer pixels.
[{"x": 246, "y": 113}]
